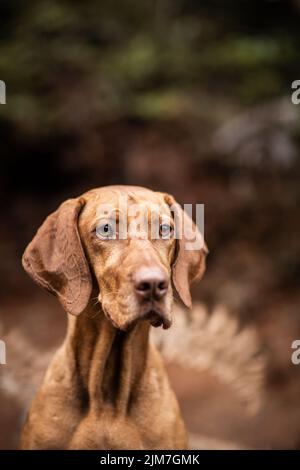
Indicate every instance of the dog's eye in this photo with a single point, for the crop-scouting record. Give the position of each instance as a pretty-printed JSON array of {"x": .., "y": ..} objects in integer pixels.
[
  {"x": 166, "y": 231},
  {"x": 105, "y": 231}
]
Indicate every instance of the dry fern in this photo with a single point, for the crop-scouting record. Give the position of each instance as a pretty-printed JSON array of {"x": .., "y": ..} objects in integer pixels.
[
  {"x": 25, "y": 367},
  {"x": 202, "y": 341}
]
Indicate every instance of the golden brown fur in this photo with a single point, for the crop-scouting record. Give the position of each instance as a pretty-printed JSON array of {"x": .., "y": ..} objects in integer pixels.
[{"x": 106, "y": 387}]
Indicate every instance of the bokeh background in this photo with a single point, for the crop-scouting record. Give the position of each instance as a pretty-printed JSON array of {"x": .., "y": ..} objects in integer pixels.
[{"x": 184, "y": 96}]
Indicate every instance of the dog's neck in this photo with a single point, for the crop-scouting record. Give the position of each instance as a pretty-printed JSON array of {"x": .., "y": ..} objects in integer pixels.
[{"x": 109, "y": 363}]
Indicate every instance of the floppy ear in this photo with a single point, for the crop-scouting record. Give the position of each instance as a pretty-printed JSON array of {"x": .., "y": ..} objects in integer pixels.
[
  {"x": 189, "y": 263},
  {"x": 55, "y": 259}
]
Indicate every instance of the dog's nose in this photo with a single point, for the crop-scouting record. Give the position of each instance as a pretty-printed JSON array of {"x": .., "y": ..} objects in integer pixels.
[{"x": 151, "y": 283}]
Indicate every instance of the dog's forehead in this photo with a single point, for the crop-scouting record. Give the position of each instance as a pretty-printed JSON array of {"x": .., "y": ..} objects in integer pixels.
[{"x": 102, "y": 201}]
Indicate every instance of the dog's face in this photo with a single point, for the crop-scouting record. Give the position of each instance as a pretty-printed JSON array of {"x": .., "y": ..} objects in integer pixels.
[
  {"x": 122, "y": 241},
  {"x": 130, "y": 245}
]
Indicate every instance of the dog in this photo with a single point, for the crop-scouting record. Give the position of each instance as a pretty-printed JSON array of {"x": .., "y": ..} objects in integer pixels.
[{"x": 107, "y": 387}]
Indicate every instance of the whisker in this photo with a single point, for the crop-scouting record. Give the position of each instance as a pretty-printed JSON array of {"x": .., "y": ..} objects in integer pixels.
[
  {"x": 95, "y": 314},
  {"x": 111, "y": 293}
]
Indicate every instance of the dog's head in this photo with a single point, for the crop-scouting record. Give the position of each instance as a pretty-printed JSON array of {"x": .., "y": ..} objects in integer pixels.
[{"x": 129, "y": 244}]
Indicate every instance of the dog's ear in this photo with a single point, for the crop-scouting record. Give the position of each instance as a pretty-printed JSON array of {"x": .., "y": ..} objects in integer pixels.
[
  {"x": 190, "y": 254},
  {"x": 56, "y": 261}
]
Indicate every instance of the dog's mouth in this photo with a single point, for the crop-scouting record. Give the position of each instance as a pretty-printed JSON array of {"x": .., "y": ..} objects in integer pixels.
[
  {"x": 155, "y": 315},
  {"x": 158, "y": 318}
]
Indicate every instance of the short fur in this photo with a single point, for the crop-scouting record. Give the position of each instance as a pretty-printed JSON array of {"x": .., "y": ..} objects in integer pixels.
[{"x": 106, "y": 387}]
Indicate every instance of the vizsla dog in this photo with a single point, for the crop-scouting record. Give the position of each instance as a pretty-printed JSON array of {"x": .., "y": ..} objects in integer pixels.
[{"x": 106, "y": 387}]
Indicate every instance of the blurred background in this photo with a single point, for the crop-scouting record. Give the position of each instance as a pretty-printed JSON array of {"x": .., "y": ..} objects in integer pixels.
[{"x": 184, "y": 96}]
